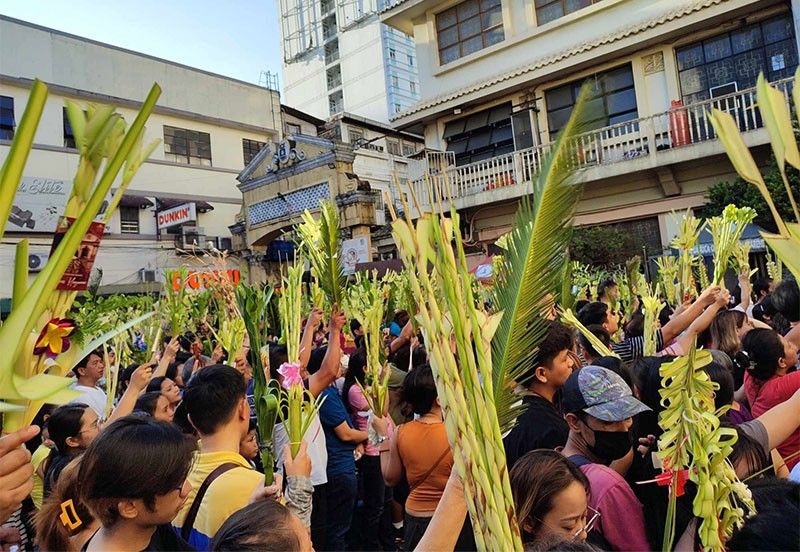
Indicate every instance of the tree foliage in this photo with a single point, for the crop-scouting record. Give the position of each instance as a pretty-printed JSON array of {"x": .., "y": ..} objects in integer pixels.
[{"x": 604, "y": 246}]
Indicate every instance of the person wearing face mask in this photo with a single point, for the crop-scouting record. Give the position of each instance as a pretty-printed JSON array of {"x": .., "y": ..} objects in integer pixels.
[{"x": 599, "y": 406}]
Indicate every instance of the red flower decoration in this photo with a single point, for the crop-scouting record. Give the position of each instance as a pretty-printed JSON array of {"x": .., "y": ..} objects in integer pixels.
[
  {"x": 54, "y": 338},
  {"x": 665, "y": 479}
]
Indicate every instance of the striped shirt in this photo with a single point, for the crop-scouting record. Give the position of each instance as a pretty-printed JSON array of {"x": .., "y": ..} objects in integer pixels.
[{"x": 633, "y": 347}]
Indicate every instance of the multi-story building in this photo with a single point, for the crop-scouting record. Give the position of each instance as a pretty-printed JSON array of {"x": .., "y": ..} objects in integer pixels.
[
  {"x": 210, "y": 127},
  {"x": 499, "y": 78},
  {"x": 350, "y": 160},
  {"x": 339, "y": 58}
]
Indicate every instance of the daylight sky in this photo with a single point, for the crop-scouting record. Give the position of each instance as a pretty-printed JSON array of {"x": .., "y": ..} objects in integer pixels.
[{"x": 236, "y": 38}]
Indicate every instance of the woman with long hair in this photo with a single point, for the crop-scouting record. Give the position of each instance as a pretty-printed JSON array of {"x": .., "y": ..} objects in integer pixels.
[
  {"x": 63, "y": 522},
  {"x": 72, "y": 428},
  {"x": 725, "y": 334},
  {"x": 246, "y": 530}
]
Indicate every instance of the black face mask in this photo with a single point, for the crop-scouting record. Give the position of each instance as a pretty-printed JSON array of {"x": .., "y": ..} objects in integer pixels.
[{"x": 611, "y": 445}]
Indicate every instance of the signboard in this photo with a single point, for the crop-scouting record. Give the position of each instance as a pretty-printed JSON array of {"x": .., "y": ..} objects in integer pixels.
[
  {"x": 354, "y": 251},
  {"x": 197, "y": 280},
  {"x": 76, "y": 276},
  {"x": 181, "y": 214},
  {"x": 38, "y": 204}
]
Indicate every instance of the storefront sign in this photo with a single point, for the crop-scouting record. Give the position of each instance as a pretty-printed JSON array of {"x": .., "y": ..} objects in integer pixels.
[
  {"x": 38, "y": 204},
  {"x": 354, "y": 251},
  {"x": 197, "y": 280},
  {"x": 177, "y": 215},
  {"x": 76, "y": 276}
]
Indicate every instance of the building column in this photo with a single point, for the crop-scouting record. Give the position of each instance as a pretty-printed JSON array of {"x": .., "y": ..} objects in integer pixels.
[{"x": 795, "y": 5}]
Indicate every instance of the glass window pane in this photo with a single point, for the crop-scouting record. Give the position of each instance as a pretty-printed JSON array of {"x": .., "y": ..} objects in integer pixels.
[
  {"x": 494, "y": 36},
  {"x": 618, "y": 78},
  {"x": 450, "y": 54},
  {"x": 689, "y": 57},
  {"x": 781, "y": 59},
  {"x": 471, "y": 45},
  {"x": 746, "y": 39},
  {"x": 621, "y": 101},
  {"x": 448, "y": 37},
  {"x": 720, "y": 72},
  {"x": 487, "y": 4},
  {"x": 492, "y": 18},
  {"x": 481, "y": 139},
  {"x": 501, "y": 134},
  {"x": 777, "y": 29},
  {"x": 454, "y": 127},
  {"x": 557, "y": 119},
  {"x": 717, "y": 48},
  {"x": 549, "y": 13},
  {"x": 559, "y": 97},
  {"x": 459, "y": 145},
  {"x": 622, "y": 117},
  {"x": 467, "y": 9},
  {"x": 500, "y": 113},
  {"x": 693, "y": 80},
  {"x": 446, "y": 19},
  {"x": 575, "y": 5},
  {"x": 747, "y": 66},
  {"x": 477, "y": 120},
  {"x": 469, "y": 28}
]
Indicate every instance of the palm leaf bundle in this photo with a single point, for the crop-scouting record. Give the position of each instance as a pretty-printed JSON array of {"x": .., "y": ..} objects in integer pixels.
[
  {"x": 685, "y": 241},
  {"x": 529, "y": 278},
  {"x": 253, "y": 303},
  {"x": 447, "y": 315},
  {"x": 320, "y": 244},
  {"x": 299, "y": 406},
  {"x": 726, "y": 230},
  {"x": 786, "y": 243},
  {"x": 652, "y": 305},
  {"x": 693, "y": 440},
  {"x": 774, "y": 268},
  {"x": 175, "y": 301},
  {"x": 105, "y": 144},
  {"x": 668, "y": 278}
]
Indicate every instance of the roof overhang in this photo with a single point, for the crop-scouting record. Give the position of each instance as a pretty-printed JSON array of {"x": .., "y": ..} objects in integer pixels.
[{"x": 401, "y": 13}]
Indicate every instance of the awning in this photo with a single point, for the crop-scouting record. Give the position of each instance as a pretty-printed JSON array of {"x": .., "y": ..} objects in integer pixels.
[
  {"x": 135, "y": 201},
  {"x": 168, "y": 203}
]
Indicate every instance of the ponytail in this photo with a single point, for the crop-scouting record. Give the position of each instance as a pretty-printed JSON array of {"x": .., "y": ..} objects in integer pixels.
[
  {"x": 761, "y": 352},
  {"x": 62, "y": 515}
]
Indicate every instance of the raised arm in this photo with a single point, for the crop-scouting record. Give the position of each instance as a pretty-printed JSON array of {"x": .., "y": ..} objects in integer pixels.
[
  {"x": 170, "y": 352},
  {"x": 704, "y": 320},
  {"x": 782, "y": 420},
  {"x": 139, "y": 380},
  {"x": 307, "y": 341},
  {"x": 682, "y": 321},
  {"x": 329, "y": 371},
  {"x": 405, "y": 337},
  {"x": 391, "y": 465}
]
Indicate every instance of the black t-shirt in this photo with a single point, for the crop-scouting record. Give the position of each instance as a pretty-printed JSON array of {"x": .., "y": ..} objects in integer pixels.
[
  {"x": 165, "y": 539},
  {"x": 541, "y": 426}
]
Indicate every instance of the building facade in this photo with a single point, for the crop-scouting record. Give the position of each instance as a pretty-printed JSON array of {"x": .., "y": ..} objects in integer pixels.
[
  {"x": 339, "y": 58},
  {"x": 210, "y": 127},
  {"x": 499, "y": 78},
  {"x": 347, "y": 159}
]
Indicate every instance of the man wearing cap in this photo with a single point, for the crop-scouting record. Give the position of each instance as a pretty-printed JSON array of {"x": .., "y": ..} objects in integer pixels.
[{"x": 598, "y": 407}]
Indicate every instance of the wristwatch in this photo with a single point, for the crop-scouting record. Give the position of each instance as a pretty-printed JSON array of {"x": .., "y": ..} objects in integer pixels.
[{"x": 381, "y": 439}]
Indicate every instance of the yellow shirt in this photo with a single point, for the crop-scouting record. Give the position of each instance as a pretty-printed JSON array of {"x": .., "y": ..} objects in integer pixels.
[
  {"x": 37, "y": 494},
  {"x": 227, "y": 494}
]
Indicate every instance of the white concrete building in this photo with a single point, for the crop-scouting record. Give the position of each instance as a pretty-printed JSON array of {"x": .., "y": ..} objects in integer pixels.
[
  {"x": 498, "y": 78},
  {"x": 210, "y": 126},
  {"x": 339, "y": 58}
]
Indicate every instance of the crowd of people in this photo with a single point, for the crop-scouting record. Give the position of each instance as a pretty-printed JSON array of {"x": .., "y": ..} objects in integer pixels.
[{"x": 176, "y": 464}]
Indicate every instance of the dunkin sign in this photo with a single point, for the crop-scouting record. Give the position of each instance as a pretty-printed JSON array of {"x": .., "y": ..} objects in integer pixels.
[{"x": 177, "y": 215}]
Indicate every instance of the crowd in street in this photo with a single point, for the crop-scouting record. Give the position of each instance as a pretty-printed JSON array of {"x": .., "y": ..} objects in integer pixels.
[{"x": 176, "y": 465}]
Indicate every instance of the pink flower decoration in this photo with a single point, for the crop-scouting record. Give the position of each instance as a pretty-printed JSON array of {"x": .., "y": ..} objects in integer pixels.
[{"x": 291, "y": 375}]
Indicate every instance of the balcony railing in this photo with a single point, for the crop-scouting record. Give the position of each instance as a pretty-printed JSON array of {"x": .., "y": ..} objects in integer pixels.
[{"x": 679, "y": 127}]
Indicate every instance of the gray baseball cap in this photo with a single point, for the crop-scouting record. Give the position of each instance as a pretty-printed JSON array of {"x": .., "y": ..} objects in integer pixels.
[{"x": 600, "y": 393}]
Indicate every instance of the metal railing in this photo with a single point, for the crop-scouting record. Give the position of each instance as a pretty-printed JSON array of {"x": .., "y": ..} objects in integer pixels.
[{"x": 679, "y": 127}]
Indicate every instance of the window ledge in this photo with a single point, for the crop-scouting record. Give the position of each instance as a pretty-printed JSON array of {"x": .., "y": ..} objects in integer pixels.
[{"x": 535, "y": 31}]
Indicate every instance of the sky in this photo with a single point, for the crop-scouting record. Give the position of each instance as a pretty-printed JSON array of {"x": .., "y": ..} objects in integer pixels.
[{"x": 235, "y": 38}]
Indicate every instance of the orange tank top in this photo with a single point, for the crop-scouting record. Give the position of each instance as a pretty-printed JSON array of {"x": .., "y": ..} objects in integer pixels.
[{"x": 424, "y": 450}]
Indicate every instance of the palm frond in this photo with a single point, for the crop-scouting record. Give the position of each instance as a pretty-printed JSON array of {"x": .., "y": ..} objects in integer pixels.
[
  {"x": 320, "y": 240},
  {"x": 529, "y": 279}
]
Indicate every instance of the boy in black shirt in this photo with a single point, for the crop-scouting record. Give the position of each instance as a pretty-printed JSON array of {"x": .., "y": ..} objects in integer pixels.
[{"x": 541, "y": 424}]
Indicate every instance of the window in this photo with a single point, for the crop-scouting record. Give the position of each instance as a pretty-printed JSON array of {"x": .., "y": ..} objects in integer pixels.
[
  {"x": 292, "y": 128},
  {"x": 613, "y": 91},
  {"x": 412, "y": 87},
  {"x": 250, "y": 149},
  {"x": 187, "y": 146},
  {"x": 329, "y": 27},
  {"x": 331, "y": 51},
  {"x": 355, "y": 134},
  {"x": 129, "y": 220},
  {"x": 397, "y": 108},
  {"x": 326, "y": 6},
  {"x": 336, "y": 102},
  {"x": 468, "y": 27},
  {"x": 393, "y": 146},
  {"x": 482, "y": 135},
  {"x": 7, "y": 122},
  {"x": 69, "y": 137},
  {"x": 395, "y": 81},
  {"x": 408, "y": 149},
  {"x": 392, "y": 54},
  {"x": 550, "y": 10},
  {"x": 410, "y": 60},
  {"x": 334, "y": 76},
  {"x": 736, "y": 58}
]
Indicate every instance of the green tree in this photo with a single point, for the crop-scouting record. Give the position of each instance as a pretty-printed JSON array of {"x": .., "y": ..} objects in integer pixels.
[
  {"x": 744, "y": 194},
  {"x": 604, "y": 246}
]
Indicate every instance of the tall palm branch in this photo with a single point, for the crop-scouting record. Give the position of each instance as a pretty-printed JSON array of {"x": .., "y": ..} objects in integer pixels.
[{"x": 528, "y": 280}]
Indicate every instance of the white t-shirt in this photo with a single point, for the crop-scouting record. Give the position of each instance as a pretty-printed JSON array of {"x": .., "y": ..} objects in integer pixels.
[
  {"x": 94, "y": 397},
  {"x": 317, "y": 450}
]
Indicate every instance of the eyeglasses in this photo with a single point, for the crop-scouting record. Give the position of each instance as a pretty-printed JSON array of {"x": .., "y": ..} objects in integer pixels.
[
  {"x": 92, "y": 426},
  {"x": 588, "y": 526}
]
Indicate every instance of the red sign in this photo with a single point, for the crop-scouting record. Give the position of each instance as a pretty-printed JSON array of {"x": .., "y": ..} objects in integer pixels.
[
  {"x": 197, "y": 280},
  {"x": 76, "y": 276},
  {"x": 177, "y": 215}
]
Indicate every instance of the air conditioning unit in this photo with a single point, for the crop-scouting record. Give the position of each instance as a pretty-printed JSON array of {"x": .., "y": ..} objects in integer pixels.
[
  {"x": 380, "y": 217},
  {"x": 146, "y": 275},
  {"x": 224, "y": 244},
  {"x": 36, "y": 261},
  {"x": 191, "y": 238}
]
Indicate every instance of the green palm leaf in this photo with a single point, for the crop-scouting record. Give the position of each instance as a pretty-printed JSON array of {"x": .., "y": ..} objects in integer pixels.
[
  {"x": 320, "y": 239},
  {"x": 529, "y": 277}
]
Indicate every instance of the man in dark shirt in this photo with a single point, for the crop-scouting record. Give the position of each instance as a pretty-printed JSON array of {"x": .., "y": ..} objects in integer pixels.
[{"x": 541, "y": 424}]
